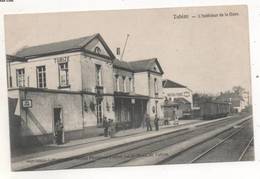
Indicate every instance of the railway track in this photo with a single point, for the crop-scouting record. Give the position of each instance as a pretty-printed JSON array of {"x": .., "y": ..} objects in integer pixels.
[
  {"x": 224, "y": 141},
  {"x": 122, "y": 154},
  {"x": 218, "y": 148},
  {"x": 241, "y": 157}
]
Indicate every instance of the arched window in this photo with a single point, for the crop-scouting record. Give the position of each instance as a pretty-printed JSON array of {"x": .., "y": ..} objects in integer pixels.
[{"x": 97, "y": 50}]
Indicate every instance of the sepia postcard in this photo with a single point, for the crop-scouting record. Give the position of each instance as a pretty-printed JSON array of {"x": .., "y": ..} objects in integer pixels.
[{"x": 114, "y": 88}]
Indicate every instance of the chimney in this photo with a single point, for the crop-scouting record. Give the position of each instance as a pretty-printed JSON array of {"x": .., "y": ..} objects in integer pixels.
[{"x": 118, "y": 51}]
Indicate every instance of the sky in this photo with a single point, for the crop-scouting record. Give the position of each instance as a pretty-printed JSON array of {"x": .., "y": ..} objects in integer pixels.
[{"x": 207, "y": 54}]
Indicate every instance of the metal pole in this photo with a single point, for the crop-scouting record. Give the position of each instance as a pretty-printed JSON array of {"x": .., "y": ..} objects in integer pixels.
[{"x": 121, "y": 58}]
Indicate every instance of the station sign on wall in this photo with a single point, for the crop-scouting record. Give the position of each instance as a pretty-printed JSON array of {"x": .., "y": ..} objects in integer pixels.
[
  {"x": 61, "y": 59},
  {"x": 180, "y": 94},
  {"x": 27, "y": 103}
]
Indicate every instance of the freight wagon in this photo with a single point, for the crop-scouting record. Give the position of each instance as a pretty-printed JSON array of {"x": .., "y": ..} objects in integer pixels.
[{"x": 212, "y": 110}]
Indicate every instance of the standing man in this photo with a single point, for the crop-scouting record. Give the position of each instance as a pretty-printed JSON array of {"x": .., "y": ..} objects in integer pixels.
[
  {"x": 105, "y": 125},
  {"x": 173, "y": 116},
  {"x": 178, "y": 114},
  {"x": 59, "y": 128},
  {"x": 148, "y": 122},
  {"x": 156, "y": 122},
  {"x": 112, "y": 128}
]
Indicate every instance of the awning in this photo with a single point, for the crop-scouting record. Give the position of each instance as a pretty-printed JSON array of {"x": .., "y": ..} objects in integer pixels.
[
  {"x": 122, "y": 95},
  {"x": 181, "y": 100}
]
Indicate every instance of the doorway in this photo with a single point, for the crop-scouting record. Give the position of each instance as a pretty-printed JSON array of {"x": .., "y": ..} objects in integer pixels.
[
  {"x": 58, "y": 132},
  {"x": 99, "y": 112}
]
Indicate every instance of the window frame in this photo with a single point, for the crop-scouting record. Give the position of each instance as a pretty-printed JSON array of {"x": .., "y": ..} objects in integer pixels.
[
  {"x": 124, "y": 84},
  {"x": 44, "y": 79},
  {"x": 17, "y": 79},
  {"x": 98, "y": 75},
  {"x": 117, "y": 83},
  {"x": 131, "y": 85},
  {"x": 155, "y": 86},
  {"x": 66, "y": 69},
  {"x": 97, "y": 50}
]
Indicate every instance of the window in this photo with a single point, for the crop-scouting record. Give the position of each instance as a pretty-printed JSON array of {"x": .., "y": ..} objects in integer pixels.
[
  {"x": 117, "y": 82},
  {"x": 131, "y": 85},
  {"x": 99, "y": 112},
  {"x": 155, "y": 87},
  {"x": 63, "y": 74},
  {"x": 98, "y": 76},
  {"x": 124, "y": 84},
  {"x": 41, "y": 76},
  {"x": 20, "y": 79},
  {"x": 97, "y": 50}
]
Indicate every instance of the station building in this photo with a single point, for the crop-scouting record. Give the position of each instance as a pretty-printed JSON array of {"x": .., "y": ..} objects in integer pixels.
[{"x": 76, "y": 83}]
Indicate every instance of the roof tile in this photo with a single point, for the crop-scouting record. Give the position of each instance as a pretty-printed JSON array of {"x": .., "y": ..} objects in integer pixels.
[
  {"x": 55, "y": 47},
  {"x": 171, "y": 84}
]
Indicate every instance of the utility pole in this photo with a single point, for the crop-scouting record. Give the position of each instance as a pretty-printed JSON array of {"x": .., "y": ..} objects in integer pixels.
[{"x": 121, "y": 58}]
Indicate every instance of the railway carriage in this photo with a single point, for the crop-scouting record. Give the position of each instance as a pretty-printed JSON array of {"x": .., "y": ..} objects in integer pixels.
[{"x": 212, "y": 110}]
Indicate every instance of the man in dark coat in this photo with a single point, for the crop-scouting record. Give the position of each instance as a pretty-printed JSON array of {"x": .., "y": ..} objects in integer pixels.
[
  {"x": 105, "y": 125},
  {"x": 156, "y": 122},
  {"x": 59, "y": 130},
  {"x": 148, "y": 122},
  {"x": 112, "y": 128}
]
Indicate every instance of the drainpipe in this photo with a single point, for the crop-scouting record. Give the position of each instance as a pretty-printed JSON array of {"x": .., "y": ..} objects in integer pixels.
[
  {"x": 82, "y": 99},
  {"x": 149, "y": 92},
  {"x": 26, "y": 109}
]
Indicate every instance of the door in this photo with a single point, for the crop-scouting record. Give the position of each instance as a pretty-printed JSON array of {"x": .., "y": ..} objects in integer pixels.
[
  {"x": 58, "y": 126},
  {"x": 99, "y": 112}
]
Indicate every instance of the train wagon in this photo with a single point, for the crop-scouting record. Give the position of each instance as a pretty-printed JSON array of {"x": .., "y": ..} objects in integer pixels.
[{"x": 212, "y": 110}]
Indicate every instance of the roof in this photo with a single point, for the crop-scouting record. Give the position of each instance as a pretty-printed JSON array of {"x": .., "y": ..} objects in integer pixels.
[
  {"x": 235, "y": 103},
  {"x": 171, "y": 84},
  {"x": 145, "y": 65},
  {"x": 181, "y": 100},
  {"x": 169, "y": 103},
  {"x": 11, "y": 58},
  {"x": 60, "y": 47},
  {"x": 227, "y": 96},
  {"x": 122, "y": 64}
]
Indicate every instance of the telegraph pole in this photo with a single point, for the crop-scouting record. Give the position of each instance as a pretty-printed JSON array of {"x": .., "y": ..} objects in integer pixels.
[{"x": 121, "y": 58}]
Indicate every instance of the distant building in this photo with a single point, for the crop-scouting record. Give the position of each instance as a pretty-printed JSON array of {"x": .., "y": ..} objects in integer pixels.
[
  {"x": 236, "y": 101},
  {"x": 246, "y": 98},
  {"x": 179, "y": 95}
]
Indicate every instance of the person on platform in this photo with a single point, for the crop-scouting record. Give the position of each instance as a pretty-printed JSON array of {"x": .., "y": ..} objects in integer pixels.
[
  {"x": 111, "y": 128},
  {"x": 148, "y": 122},
  {"x": 176, "y": 116},
  {"x": 59, "y": 128},
  {"x": 105, "y": 125},
  {"x": 156, "y": 122}
]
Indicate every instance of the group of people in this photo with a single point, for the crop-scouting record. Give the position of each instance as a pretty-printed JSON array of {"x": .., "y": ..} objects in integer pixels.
[
  {"x": 174, "y": 117},
  {"x": 147, "y": 119},
  {"x": 109, "y": 127},
  {"x": 148, "y": 122}
]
